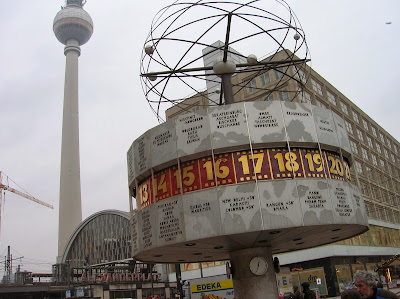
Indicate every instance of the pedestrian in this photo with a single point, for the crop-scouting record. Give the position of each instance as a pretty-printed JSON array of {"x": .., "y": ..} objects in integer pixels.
[
  {"x": 296, "y": 293},
  {"x": 350, "y": 294},
  {"x": 366, "y": 286},
  {"x": 308, "y": 294}
]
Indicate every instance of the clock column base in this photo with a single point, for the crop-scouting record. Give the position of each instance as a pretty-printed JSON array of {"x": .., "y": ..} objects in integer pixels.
[{"x": 248, "y": 285}]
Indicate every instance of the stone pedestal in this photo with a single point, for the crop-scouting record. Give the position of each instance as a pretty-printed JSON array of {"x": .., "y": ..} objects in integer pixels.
[{"x": 247, "y": 284}]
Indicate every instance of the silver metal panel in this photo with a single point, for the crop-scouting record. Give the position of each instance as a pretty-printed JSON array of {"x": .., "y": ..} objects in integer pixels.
[
  {"x": 170, "y": 221},
  {"x": 342, "y": 201},
  {"x": 163, "y": 144},
  {"x": 240, "y": 208},
  {"x": 202, "y": 214},
  {"x": 326, "y": 128},
  {"x": 265, "y": 123},
  {"x": 130, "y": 159},
  {"x": 299, "y": 122},
  {"x": 194, "y": 136},
  {"x": 229, "y": 127},
  {"x": 315, "y": 201},
  {"x": 136, "y": 246},
  {"x": 147, "y": 228},
  {"x": 141, "y": 154},
  {"x": 342, "y": 134},
  {"x": 359, "y": 206},
  {"x": 280, "y": 204}
]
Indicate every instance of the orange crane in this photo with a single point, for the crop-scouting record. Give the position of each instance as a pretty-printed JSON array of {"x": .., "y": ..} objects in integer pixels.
[{"x": 8, "y": 188}]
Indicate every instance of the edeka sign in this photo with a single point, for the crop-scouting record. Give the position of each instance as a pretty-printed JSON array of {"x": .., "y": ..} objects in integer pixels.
[
  {"x": 119, "y": 277},
  {"x": 212, "y": 286}
]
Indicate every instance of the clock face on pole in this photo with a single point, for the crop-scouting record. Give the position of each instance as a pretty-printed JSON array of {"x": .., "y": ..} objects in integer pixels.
[{"x": 258, "y": 265}]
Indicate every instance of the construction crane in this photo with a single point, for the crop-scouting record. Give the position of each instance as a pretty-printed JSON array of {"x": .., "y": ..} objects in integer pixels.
[{"x": 6, "y": 187}]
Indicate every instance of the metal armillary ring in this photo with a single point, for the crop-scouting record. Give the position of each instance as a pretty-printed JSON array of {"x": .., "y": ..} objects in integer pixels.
[{"x": 184, "y": 57}]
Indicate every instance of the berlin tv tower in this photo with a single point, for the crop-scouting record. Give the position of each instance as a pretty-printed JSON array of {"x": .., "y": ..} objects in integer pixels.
[{"x": 73, "y": 27}]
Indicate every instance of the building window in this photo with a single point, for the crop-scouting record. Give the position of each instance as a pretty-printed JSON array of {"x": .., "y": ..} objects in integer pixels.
[
  {"x": 382, "y": 163},
  {"x": 300, "y": 75},
  {"x": 355, "y": 116},
  {"x": 252, "y": 85},
  {"x": 320, "y": 104},
  {"x": 359, "y": 167},
  {"x": 278, "y": 73},
  {"x": 344, "y": 108},
  {"x": 349, "y": 127},
  {"x": 380, "y": 213},
  {"x": 374, "y": 160},
  {"x": 389, "y": 169},
  {"x": 364, "y": 153},
  {"x": 392, "y": 199},
  {"x": 306, "y": 97},
  {"x": 388, "y": 143},
  {"x": 393, "y": 171},
  {"x": 265, "y": 78},
  {"x": 378, "y": 148},
  {"x": 284, "y": 95},
  {"x": 393, "y": 158},
  {"x": 375, "y": 193},
  {"x": 364, "y": 189},
  {"x": 374, "y": 132},
  {"x": 395, "y": 148},
  {"x": 388, "y": 182},
  {"x": 354, "y": 147},
  {"x": 370, "y": 172},
  {"x": 386, "y": 153},
  {"x": 369, "y": 209},
  {"x": 382, "y": 137},
  {"x": 317, "y": 87},
  {"x": 365, "y": 124},
  {"x": 360, "y": 135},
  {"x": 331, "y": 98},
  {"x": 389, "y": 215},
  {"x": 269, "y": 98},
  {"x": 370, "y": 144},
  {"x": 396, "y": 217}
]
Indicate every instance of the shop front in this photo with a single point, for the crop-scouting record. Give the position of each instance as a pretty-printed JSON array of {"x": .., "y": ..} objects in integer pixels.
[
  {"x": 330, "y": 276},
  {"x": 389, "y": 272}
]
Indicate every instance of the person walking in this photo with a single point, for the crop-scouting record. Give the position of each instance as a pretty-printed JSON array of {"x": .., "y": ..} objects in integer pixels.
[
  {"x": 350, "y": 294},
  {"x": 308, "y": 294},
  {"x": 366, "y": 286},
  {"x": 296, "y": 293}
]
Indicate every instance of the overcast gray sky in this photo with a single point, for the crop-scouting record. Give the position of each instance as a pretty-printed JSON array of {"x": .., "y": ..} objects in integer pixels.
[{"x": 351, "y": 46}]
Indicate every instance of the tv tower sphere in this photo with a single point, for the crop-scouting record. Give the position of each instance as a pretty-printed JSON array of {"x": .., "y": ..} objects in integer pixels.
[{"x": 73, "y": 22}]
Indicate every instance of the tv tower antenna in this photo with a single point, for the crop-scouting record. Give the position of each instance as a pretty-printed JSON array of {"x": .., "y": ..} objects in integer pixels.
[
  {"x": 73, "y": 27},
  {"x": 76, "y": 2}
]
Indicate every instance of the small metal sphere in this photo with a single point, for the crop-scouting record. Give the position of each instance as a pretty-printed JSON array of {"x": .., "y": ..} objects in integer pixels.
[
  {"x": 296, "y": 36},
  {"x": 252, "y": 59},
  {"x": 149, "y": 49},
  {"x": 73, "y": 22},
  {"x": 220, "y": 67}
]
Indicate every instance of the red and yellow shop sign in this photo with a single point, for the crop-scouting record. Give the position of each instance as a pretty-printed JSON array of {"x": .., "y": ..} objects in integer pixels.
[{"x": 241, "y": 167}]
